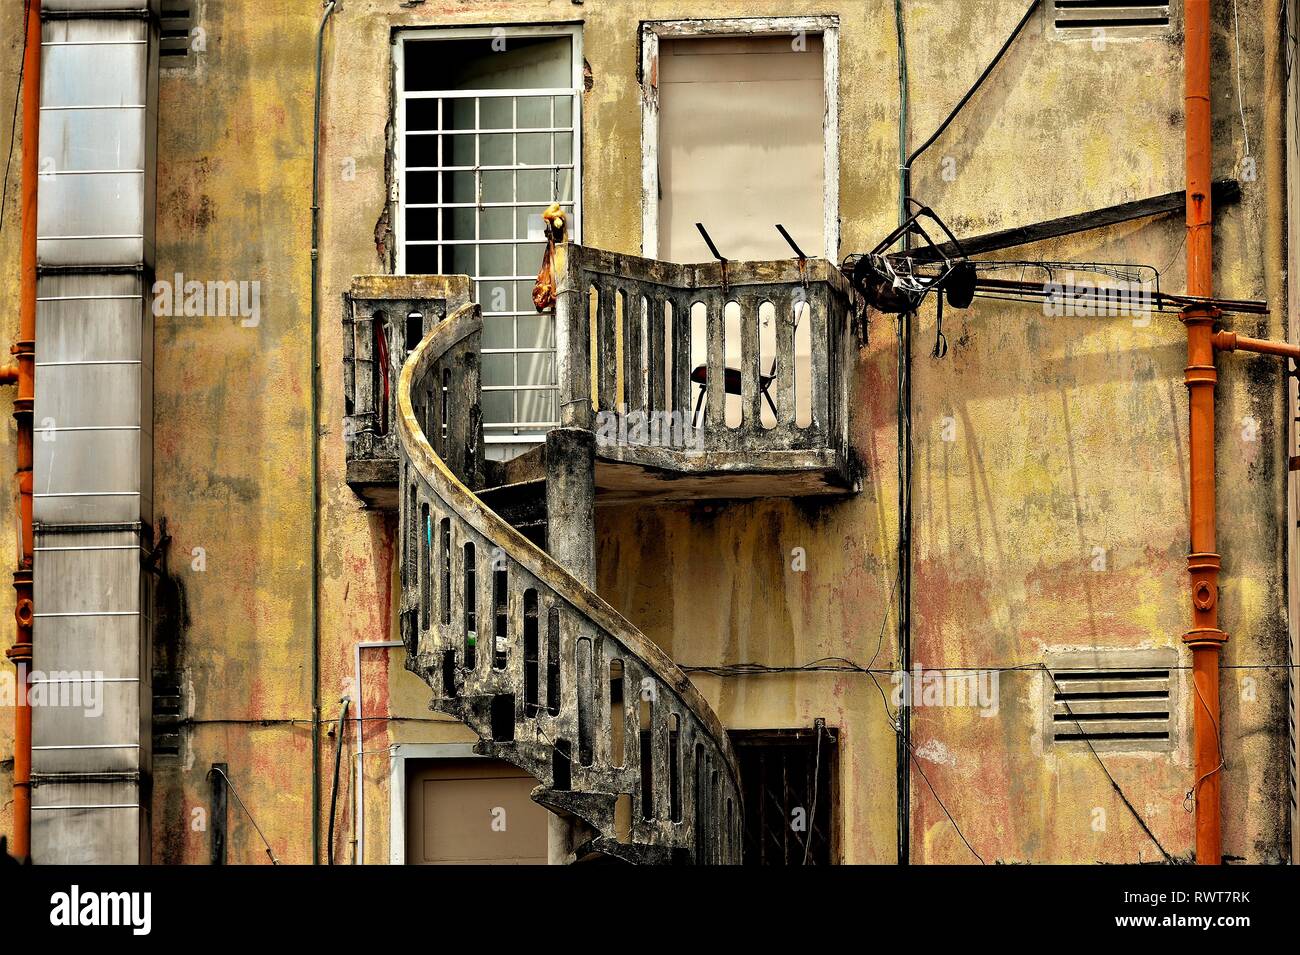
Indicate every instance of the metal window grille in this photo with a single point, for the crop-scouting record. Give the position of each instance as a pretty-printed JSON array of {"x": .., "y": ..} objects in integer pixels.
[
  {"x": 789, "y": 792},
  {"x": 478, "y": 162}
]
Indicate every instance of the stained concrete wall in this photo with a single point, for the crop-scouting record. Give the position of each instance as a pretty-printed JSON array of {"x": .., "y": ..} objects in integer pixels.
[
  {"x": 1037, "y": 441},
  {"x": 1069, "y": 435}
]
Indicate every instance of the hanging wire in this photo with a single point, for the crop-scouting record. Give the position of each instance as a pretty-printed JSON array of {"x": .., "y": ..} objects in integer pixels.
[
  {"x": 817, "y": 776},
  {"x": 234, "y": 792},
  {"x": 1241, "y": 101}
]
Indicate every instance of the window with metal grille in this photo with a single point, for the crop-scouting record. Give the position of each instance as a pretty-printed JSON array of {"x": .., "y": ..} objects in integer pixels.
[
  {"x": 488, "y": 133},
  {"x": 176, "y": 20},
  {"x": 1092, "y": 19},
  {"x": 788, "y": 779},
  {"x": 1112, "y": 700}
]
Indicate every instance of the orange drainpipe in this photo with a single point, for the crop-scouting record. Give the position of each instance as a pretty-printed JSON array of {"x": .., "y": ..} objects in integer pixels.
[
  {"x": 23, "y": 374},
  {"x": 1204, "y": 638}
]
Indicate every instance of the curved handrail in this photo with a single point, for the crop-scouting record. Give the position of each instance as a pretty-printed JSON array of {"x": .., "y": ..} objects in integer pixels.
[{"x": 458, "y": 326}]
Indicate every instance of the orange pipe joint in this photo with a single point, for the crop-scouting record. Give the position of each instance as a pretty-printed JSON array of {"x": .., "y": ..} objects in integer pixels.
[{"x": 1231, "y": 341}]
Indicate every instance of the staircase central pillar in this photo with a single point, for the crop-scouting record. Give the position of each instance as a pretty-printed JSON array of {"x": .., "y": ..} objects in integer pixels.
[{"x": 571, "y": 540}]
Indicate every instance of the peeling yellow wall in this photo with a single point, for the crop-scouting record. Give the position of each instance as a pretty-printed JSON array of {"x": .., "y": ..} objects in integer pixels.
[{"x": 1069, "y": 435}]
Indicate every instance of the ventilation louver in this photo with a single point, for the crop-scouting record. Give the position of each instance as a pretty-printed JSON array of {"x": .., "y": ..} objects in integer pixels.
[
  {"x": 1090, "y": 19},
  {"x": 176, "y": 22},
  {"x": 1113, "y": 701},
  {"x": 166, "y": 714}
]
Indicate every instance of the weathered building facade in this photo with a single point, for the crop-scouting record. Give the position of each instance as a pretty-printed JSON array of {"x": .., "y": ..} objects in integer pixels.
[{"x": 733, "y": 691}]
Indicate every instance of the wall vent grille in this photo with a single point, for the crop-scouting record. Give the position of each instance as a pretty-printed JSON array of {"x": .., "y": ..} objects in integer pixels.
[
  {"x": 166, "y": 714},
  {"x": 1113, "y": 701},
  {"x": 1082, "y": 19},
  {"x": 176, "y": 22}
]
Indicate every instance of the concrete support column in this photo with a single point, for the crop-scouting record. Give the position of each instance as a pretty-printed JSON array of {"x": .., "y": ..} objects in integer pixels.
[{"x": 571, "y": 540}]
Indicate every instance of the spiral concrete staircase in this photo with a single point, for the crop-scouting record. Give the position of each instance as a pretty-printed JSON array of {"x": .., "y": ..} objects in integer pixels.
[{"x": 551, "y": 678}]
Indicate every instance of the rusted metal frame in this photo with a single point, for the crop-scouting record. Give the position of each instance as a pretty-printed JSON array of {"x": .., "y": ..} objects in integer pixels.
[{"x": 1224, "y": 192}]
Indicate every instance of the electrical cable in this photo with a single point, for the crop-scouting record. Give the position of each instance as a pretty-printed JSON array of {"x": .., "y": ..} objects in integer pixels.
[
  {"x": 1241, "y": 102},
  {"x": 844, "y": 665},
  {"x": 1194, "y": 794},
  {"x": 817, "y": 775},
  {"x": 960, "y": 834},
  {"x": 907, "y": 164},
  {"x": 911, "y": 753}
]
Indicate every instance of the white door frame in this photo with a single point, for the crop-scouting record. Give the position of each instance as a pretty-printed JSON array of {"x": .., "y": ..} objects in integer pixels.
[
  {"x": 651, "y": 32},
  {"x": 397, "y": 787}
]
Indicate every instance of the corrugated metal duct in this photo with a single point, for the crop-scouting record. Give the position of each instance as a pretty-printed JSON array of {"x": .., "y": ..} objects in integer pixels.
[{"x": 93, "y": 506}]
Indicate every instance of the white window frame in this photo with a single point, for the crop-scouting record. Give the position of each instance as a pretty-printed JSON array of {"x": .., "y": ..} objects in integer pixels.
[
  {"x": 651, "y": 33},
  {"x": 520, "y": 435}
]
